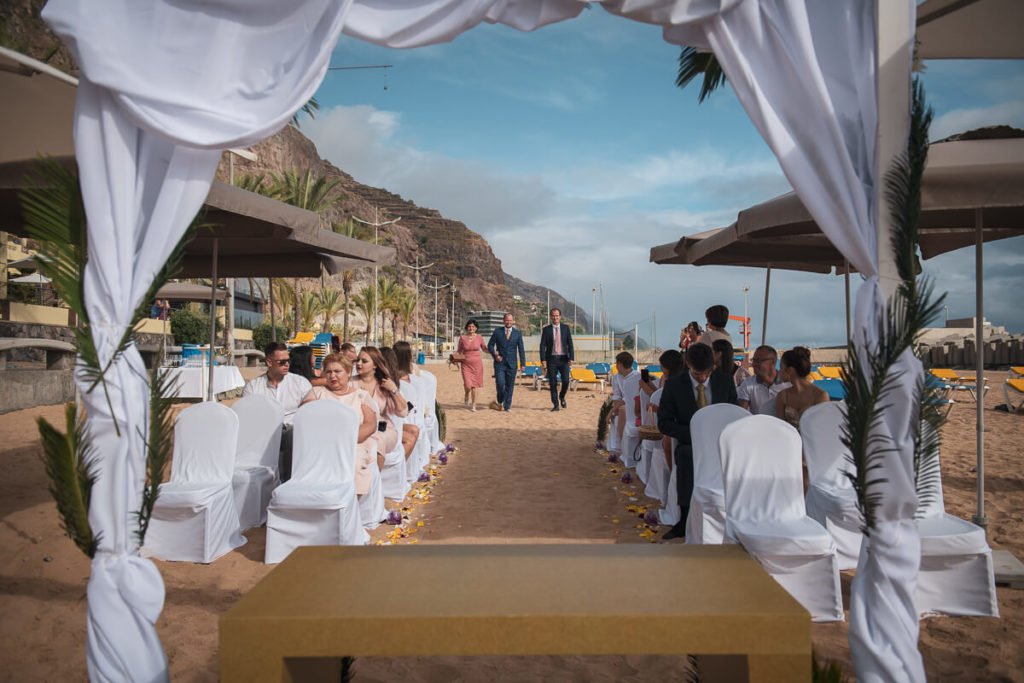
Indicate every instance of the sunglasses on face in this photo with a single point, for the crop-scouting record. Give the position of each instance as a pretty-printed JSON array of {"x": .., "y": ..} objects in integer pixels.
[{"x": 281, "y": 363}]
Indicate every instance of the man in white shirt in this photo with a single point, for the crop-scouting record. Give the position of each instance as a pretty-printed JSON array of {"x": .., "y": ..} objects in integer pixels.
[
  {"x": 625, "y": 387},
  {"x": 757, "y": 394},
  {"x": 717, "y": 318},
  {"x": 286, "y": 388}
]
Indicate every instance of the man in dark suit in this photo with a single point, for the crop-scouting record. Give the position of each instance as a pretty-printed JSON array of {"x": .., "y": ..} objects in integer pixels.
[
  {"x": 685, "y": 394},
  {"x": 505, "y": 343},
  {"x": 556, "y": 356}
]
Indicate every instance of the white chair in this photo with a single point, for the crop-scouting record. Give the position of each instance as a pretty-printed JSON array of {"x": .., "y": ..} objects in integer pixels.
[
  {"x": 194, "y": 519},
  {"x": 643, "y": 464},
  {"x": 654, "y": 458},
  {"x": 630, "y": 446},
  {"x": 430, "y": 410},
  {"x": 260, "y": 421},
  {"x": 417, "y": 389},
  {"x": 765, "y": 513},
  {"x": 318, "y": 505},
  {"x": 371, "y": 504},
  {"x": 705, "y": 524},
  {"x": 957, "y": 576},
  {"x": 670, "y": 513},
  {"x": 831, "y": 500}
]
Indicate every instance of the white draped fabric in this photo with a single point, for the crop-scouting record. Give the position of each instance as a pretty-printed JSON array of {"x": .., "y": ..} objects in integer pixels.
[{"x": 171, "y": 78}]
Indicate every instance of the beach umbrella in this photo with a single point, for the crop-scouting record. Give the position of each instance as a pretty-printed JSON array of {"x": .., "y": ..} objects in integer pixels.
[
  {"x": 33, "y": 279},
  {"x": 970, "y": 29}
]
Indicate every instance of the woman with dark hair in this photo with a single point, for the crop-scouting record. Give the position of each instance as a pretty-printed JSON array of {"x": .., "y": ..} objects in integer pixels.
[
  {"x": 374, "y": 377},
  {"x": 690, "y": 334},
  {"x": 301, "y": 363},
  {"x": 472, "y": 364},
  {"x": 725, "y": 360},
  {"x": 802, "y": 394}
]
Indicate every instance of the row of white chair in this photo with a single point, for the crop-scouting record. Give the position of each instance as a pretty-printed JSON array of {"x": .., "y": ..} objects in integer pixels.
[
  {"x": 748, "y": 488},
  {"x": 224, "y": 477}
]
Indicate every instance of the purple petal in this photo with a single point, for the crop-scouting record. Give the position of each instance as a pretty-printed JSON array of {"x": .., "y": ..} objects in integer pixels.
[
  {"x": 613, "y": 457},
  {"x": 395, "y": 517},
  {"x": 651, "y": 517},
  {"x": 599, "y": 445},
  {"x": 627, "y": 478},
  {"x": 424, "y": 477},
  {"x": 443, "y": 458}
]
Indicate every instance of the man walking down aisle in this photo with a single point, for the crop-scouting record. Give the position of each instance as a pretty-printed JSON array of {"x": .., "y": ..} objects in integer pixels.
[
  {"x": 556, "y": 356},
  {"x": 505, "y": 343}
]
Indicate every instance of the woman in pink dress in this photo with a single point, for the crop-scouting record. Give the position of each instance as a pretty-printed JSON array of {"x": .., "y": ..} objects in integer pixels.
[
  {"x": 470, "y": 344},
  {"x": 337, "y": 370}
]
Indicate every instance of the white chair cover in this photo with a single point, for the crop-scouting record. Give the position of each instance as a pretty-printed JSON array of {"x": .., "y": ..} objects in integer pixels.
[
  {"x": 656, "y": 469},
  {"x": 670, "y": 513},
  {"x": 395, "y": 479},
  {"x": 418, "y": 397},
  {"x": 706, "y": 521},
  {"x": 765, "y": 513},
  {"x": 831, "y": 500},
  {"x": 957, "y": 576},
  {"x": 430, "y": 407},
  {"x": 643, "y": 464},
  {"x": 629, "y": 388},
  {"x": 259, "y": 447},
  {"x": 371, "y": 504},
  {"x": 194, "y": 519},
  {"x": 317, "y": 506}
]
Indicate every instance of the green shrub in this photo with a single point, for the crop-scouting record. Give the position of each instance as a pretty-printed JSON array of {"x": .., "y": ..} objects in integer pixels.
[
  {"x": 189, "y": 327},
  {"x": 261, "y": 334}
]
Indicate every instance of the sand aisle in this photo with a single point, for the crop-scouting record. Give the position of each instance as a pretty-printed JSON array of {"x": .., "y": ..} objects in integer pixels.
[{"x": 528, "y": 476}]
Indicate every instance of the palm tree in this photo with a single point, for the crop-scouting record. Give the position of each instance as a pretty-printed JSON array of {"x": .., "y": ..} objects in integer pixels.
[
  {"x": 309, "y": 309},
  {"x": 283, "y": 292},
  {"x": 306, "y": 190},
  {"x": 406, "y": 311},
  {"x": 388, "y": 293},
  {"x": 252, "y": 182},
  {"x": 310, "y": 108},
  {"x": 363, "y": 302},
  {"x": 356, "y": 231},
  {"x": 331, "y": 303},
  {"x": 693, "y": 64}
]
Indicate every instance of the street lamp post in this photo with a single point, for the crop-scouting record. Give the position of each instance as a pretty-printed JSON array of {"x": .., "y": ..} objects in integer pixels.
[
  {"x": 436, "y": 287},
  {"x": 746, "y": 320},
  {"x": 376, "y": 225},
  {"x": 417, "y": 268},
  {"x": 593, "y": 311}
]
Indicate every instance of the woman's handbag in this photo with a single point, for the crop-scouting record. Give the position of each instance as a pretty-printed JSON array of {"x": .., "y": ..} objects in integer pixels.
[{"x": 457, "y": 357}]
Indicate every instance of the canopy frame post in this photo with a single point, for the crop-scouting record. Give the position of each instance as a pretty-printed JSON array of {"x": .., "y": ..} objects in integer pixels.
[
  {"x": 979, "y": 356},
  {"x": 764, "y": 318},
  {"x": 213, "y": 317}
]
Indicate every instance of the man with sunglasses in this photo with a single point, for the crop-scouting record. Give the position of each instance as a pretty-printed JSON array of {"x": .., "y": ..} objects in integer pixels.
[
  {"x": 757, "y": 394},
  {"x": 285, "y": 388}
]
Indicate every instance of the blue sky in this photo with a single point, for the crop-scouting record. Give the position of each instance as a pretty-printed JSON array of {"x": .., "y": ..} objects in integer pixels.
[{"x": 572, "y": 152}]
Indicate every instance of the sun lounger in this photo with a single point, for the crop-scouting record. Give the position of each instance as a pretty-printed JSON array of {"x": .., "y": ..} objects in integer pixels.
[
  {"x": 959, "y": 382},
  {"x": 1016, "y": 371},
  {"x": 1014, "y": 391},
  {"x": 580, "y": 376},
  {"x": 830, "y": 371}
]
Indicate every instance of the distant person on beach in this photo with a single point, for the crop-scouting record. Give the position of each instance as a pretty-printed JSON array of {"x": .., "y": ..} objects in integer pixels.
[
  {"x": 718, "y": 318},
  {"x": 758, "y": 393},
  {"x": 684, "y": 395},
  {"x": 288, "y": 389},
  {"x": 472, "y": 365},
  {"x": 689, "y": 335},
  {"x": 349, "y": 351},
  {"x": 556, "y": 356},
  {"x": 802, "y": 394},
  {"x": 506, "y": 347},
  {"x": 672, "y": 363}
]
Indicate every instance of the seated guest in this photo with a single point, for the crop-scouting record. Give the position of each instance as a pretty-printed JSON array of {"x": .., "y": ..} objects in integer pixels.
[
  {"x": 349, "y": 351},
  {"x": 718, "y": 317},
  {"x": 404, "y": 371},
  {"x": 625, "y": 387},
  {"x": 302, "y": 364},
  {"x": 337, "y": 374},
  {"x": 725, "y": 361},
  {"x": 374, "y": 377},
  {"x": 410, "y": 432},
  {"x": 757, "y": 394},
  {"x": 689, "y": 335},
  {"x": 802, "y": 394},
  {"x": 671, "y": 363},
  {"x": 286, "y": 388},
  {"x": 684, "y": 395}
]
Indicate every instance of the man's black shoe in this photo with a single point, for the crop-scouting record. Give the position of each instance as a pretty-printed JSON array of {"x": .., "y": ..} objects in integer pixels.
[
  {"x": 563, "y": 402},
  {"x": 555, "y": 409},
  {"x": 678, "y": 531}
]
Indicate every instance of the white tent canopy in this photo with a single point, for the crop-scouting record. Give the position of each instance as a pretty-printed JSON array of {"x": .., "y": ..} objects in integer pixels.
[{"x": 151, "y": 121}]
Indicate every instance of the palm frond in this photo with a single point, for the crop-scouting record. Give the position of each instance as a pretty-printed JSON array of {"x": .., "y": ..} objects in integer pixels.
[
  {"x": 310, "y": 108},
  {"x": 69, "y": 461},
  {"x": 442, "y": 421},
  {"x": 602, "y": 420},
  {"x": 159, "y": 442},
  {"x": 692, "y": 64}
]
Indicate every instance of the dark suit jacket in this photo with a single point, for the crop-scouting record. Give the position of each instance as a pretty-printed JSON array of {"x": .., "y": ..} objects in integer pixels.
[
  {"x": 547, "y": 342},
  {"x": 507, "y": 348},
  {"x": 678, "y": 404}
]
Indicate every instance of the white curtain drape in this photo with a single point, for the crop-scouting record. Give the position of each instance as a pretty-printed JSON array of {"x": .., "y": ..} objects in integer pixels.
[{"x": 169, "y": 79}]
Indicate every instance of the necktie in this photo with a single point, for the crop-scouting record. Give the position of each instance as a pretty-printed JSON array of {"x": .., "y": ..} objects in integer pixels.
[
  {"x": 558, "y": 341},
  {"x": 508, "y": 333},
  {"x": 702, "y": 398}
]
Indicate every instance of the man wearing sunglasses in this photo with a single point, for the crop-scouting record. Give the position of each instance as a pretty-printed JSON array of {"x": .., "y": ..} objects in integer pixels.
[{"x": 286, "y": 388}]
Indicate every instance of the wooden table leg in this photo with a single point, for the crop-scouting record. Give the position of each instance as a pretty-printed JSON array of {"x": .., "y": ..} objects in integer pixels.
[{"x": 779, "y": 668}]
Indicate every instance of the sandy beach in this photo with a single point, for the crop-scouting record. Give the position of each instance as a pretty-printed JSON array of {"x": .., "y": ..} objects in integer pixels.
[{"x": 528, "y": 476}]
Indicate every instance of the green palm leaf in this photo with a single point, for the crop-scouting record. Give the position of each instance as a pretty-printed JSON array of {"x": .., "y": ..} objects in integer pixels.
[
  {"x": 693, "y": 64},
  {"x": 159, "y": 442}
]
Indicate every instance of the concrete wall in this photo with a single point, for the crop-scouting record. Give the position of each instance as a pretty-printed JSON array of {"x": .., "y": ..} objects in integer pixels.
[
  {"x": 29, "y": 388},
  {"x": 40, "y": 315}
]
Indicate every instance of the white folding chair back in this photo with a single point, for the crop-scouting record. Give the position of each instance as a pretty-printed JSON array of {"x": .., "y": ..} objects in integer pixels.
[
  {"x": 260, "y": 422},
  {"x": 420, "y": 455},
  {"x": 430, "y": 401},
  {"x": 670, "y": 513},
  {"x": 706, "y": 521},
  {"x": 630, "y": 388},
  {"x": 765, "y": 513},
  {"x": 956, "y": 576},
  {"x": 831, "y": 500},
  {"x": 318, "y": 505},
  {"x": 194, "y": 519}
]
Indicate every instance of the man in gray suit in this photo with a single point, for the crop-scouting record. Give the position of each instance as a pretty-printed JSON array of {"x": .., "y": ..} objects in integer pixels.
[{"x": 505, "y": 343}]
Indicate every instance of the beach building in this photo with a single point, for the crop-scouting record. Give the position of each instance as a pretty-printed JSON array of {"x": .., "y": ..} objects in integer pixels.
[{"x": 486, "y": 321}]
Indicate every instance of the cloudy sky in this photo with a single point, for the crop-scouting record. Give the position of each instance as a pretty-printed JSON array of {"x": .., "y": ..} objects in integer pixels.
[{"x": 572, "y": 152}]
